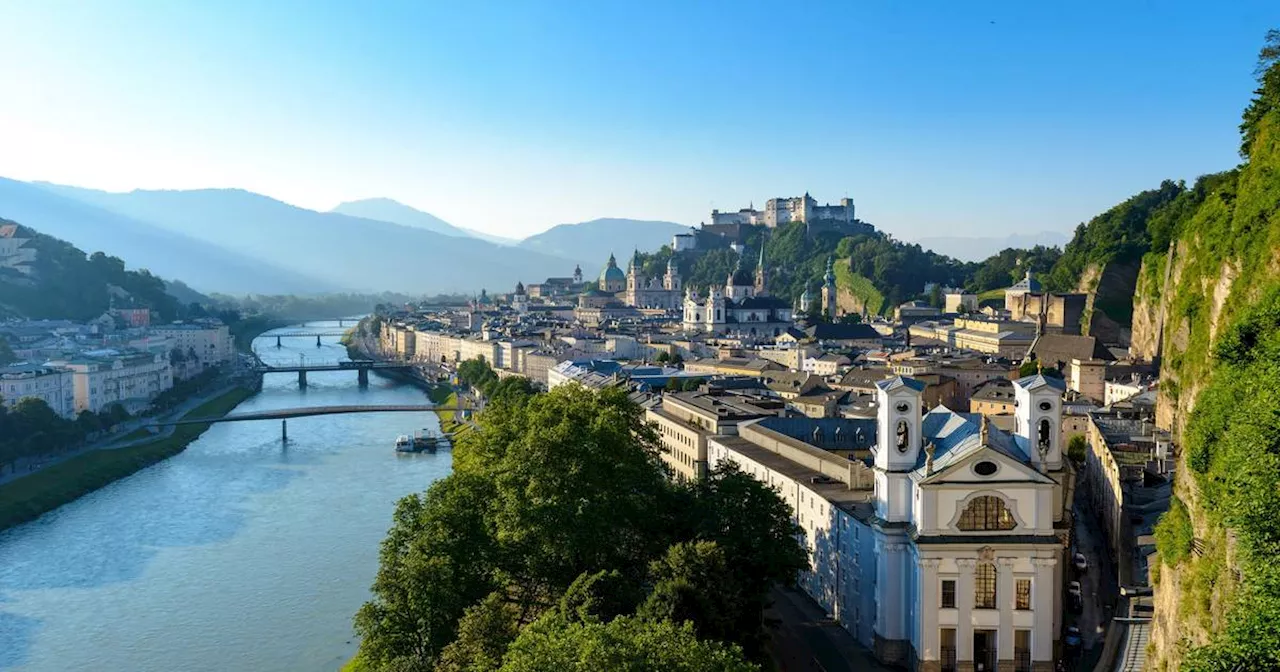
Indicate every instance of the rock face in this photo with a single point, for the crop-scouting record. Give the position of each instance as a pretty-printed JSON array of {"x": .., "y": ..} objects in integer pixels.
[{"x": 1109, "y": 307}]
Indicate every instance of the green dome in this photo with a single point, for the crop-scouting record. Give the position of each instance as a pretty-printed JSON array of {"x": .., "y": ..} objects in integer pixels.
[{"x": 612, "y": 274}]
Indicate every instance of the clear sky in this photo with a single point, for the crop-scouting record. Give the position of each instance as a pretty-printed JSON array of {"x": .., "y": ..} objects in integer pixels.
[{"x": 938, "y": 118}]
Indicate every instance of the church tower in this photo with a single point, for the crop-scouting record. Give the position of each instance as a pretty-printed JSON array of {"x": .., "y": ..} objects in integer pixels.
[
  {"x": 898, "y": 442},
  {"x": 1037, "y": 420},
  {"x": 577, "y": 274},
  {"x": 520, "y": 300},
  {"x": 633, "y": 275},
  {"x": 671, "y": 281},
  {"x": 760, "y": 279},
  {"x": 829, "y": 290}
]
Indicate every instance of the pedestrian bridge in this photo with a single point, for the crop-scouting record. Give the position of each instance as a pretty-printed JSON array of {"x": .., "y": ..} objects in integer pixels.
[{"x": 286, "y": 413}]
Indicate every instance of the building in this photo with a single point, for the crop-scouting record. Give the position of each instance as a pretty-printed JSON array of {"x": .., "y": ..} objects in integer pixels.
[
  {"x": 827, "y": 364},
  {"x": 1058, "y": 350},
  {"x": 105, "y": 377},
  {"x": 944, "y": 553},
  {"x": 1056, "y": 313},
  {"x": 612, "y": 279},
  {"x": 686, "y": 419},
  {"x": 682, "y": 242},
  {"x": 779, "y": 211},
  {"x": 55, "y": 385},
  {"x": 1121, "y": 444},
  {"x": 911, "y": 312},
  {"x": 829, "y": 292},
  {"x": 858, "y": 336},
  {"x": 13, "y": 255},
  {"x": 742, "y": 309},
  {"x": 653, "y": 292},
  {"x": 1087, "y": 377},
  {"x": 1002, "y": 338},
  {"x": 210, "y": 340},
  {"x": 994, "y": 397},
  {"x": 1023, "y": 286},
  {"x": 520, "y": 300},
  {"x": 133, "y": 317},
  {"x": 959, "y": 301}
]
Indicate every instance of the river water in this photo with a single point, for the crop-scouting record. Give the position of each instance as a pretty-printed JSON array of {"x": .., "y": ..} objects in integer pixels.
[{"x": 241, "y": 553}]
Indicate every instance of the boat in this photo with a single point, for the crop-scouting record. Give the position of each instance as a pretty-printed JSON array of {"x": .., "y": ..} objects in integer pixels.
[{"x": 420, "y": 441}]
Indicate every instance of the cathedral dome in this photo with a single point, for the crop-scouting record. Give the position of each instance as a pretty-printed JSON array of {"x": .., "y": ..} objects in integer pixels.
[{"x": 612, "y": 274}]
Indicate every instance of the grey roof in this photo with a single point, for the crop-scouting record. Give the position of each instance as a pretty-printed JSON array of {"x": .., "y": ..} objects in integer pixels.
[
  {"x": 898, "y": 382},
  {"x": 956, "y": 436},
  {"x": 842, "y": 332},
  {"x": 1027, "y": 284},
  {"x": 1040, "y": 380}
]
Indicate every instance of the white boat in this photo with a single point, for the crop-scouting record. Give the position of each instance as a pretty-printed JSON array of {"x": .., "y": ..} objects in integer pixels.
[{"x": 404, "y": 443}]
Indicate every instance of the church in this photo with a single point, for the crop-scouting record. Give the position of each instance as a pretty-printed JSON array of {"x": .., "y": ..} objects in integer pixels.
[
  {"x": 945, "y": 550},
  {"x": 743, "y": 308},
  {"x": 652, "y": 292}
]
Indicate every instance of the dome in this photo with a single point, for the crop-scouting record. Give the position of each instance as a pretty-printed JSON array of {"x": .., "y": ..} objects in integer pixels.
[{"x": 612, "y": 274}]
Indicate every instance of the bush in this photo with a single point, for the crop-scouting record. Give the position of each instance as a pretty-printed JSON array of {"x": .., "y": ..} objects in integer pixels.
[{"x": 1174, "y": 533}]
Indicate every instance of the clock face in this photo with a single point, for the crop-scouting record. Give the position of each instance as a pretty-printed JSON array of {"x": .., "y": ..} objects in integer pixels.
[
  {"x": 1045, "y": 406},
  {"x": 903, "y": 407}
]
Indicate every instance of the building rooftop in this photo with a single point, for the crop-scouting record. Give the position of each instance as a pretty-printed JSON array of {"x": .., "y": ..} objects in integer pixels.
[{"x": 728, "y": 406}]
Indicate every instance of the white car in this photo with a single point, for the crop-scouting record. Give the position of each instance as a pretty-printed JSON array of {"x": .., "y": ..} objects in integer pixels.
[
  {"x": 1081, "y": 563},
  {"x": 1074, "y": 588}
]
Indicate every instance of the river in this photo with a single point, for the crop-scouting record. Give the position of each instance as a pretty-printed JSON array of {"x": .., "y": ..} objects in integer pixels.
[{"x": 241, "y": 553}]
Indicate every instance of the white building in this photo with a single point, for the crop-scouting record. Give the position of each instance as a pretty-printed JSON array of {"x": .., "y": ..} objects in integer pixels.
[
  {"x": 684, "y": 241},
  {"x": 55, "y": 385},
  {"x": 12, "y": 253},
  {"x": 952, "y": 559},
  {"x": 744, "y": 308},
  {"x": 783, "y": 210},
  {"x": 210, "y": 340},
  {"x": 106, "y": 377}
]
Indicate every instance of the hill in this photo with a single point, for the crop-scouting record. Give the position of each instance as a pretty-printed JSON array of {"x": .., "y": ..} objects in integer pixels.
[
  {"x": 65, "y": 283},
  {"x": 205, "y": 266},
  {"x": 967, "y": 248},
  {"x": 350, "y": 252},
  {"x": 1195, "y": 273},
  {"x": 591, "y": 243}
]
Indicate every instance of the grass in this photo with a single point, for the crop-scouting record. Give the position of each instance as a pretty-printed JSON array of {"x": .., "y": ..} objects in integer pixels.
[
  {"x": 447, "y": 424},
  {"x": 139, "y": 433},
  {"x": 860, "y": 287},
  {"x": 29, "y": 497}
]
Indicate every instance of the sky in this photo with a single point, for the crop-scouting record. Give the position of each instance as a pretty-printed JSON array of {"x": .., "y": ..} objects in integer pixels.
[{"x": 937, "y": 118}]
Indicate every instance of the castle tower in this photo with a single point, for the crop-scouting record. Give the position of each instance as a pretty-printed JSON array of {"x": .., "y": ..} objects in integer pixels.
[
  {"x": 829, "y": 290},
  {"x": 577, "y": 274},
  {"x": 760, "y": 279}
]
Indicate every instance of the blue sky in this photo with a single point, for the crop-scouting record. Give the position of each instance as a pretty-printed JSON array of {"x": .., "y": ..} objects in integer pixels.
[{"x": 938, "y": 118}]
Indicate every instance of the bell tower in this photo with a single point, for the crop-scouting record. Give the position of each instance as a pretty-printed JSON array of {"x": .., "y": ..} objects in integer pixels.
[
  {"x": 898, "y": 441},
  {"x": 1037, "y": 419}
]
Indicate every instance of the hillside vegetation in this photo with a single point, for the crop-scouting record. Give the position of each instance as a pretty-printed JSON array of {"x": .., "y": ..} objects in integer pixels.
[
  {"x": 67, "y": 284},
  {"x": 1209, "y": 291}
]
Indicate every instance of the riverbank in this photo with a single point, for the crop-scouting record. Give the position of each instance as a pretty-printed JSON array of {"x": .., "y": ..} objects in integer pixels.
[{"x": 29, "y": 497}]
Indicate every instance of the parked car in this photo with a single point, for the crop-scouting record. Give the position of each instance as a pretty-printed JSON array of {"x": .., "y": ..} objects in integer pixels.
[
  {"x": 1073, "y": 588},
  {"x": 1081, "y": 563},
  {"x": 1072, "y": 639},
  {"x": 1077, "y": 603}
]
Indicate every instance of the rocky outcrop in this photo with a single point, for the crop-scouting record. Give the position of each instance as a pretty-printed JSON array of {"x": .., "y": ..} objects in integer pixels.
[{"x": 1110, "y": 290}]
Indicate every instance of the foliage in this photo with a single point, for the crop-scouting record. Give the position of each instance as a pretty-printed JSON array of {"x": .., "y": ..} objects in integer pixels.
[
  {"x": 294, "y": 308},
  {"x": 694, "y": 582},
  {"x": 625, "y": 644},
  {"x": 31, "y": 429},
  {"x": 1010, "y": 265},
  {"x": 30, "y": 496},
  {"x": 477, "y": 374},
  {"x": 1035, "y": 366},
  {"x": 1266, "y": 97},
  {"x": 1078, "y": 449},
  {"x": 69, "y": 285},
  {"x": 559, "y": 505},
  {"x": 860, "y": 287},
  {"x": 1174, "y": 533}
]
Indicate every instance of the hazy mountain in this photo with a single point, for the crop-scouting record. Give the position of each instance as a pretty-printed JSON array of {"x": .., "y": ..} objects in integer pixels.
[
  {"x": 967, "y": 248},
  {"x": 592, "y": 242},
  {"x": 352, "y": 252},
  {"x": 387, "y": 210},
  {"x": 165, "y": 253}
]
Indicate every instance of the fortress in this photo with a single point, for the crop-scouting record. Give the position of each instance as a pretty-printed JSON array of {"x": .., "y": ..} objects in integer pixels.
[{"x": 779, "y": 211}]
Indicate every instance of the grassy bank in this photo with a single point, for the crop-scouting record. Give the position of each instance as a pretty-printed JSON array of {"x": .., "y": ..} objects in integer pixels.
[
  {"x": 444, "y": 396},
  {"x": 30, "y": 496}
]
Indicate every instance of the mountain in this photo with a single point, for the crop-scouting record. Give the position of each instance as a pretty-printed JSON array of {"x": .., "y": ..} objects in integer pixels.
[
  {"x": 387, "y": 210},
  {"x": 966, "y": 248},
  {"x": 353, "y": 253},
  {"x": 592, "y": 242},
  {"x": 204, "y": 266}
]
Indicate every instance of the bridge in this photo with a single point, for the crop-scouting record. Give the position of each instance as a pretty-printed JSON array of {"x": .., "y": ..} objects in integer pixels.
[
  {"x": 283, "y": 414},
  {"x": 360, "y": 366},
  {"x": 306, "y": 334}
]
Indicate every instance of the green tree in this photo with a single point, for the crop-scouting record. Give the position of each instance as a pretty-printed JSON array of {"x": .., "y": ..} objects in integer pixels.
[
  {"x": 695, "y": 582},
  {"x": 484, "y": 633},
  {"x": 601, "y": 596},
  {"x": 625, "y": 644},
  {"x": 436, "y": 561},
  {"x": 1077, "y": 449}
]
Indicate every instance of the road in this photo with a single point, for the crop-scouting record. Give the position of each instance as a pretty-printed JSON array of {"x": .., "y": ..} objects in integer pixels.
[{"x": 805, "y": 640}]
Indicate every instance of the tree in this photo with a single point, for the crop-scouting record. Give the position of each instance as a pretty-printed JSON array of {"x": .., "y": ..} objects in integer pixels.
[
  {"x": 1266, "y": 96},
  {"x": 1077, "y": 449},
  {"x": 626, "y": 644},
  {"x": 484, "y": 633},
  {"x": 436, "y": 561},
  {"x": 695, "y": 582},
  {"x": 601, "y": 596},
  {"x": 663, "y": 358}
]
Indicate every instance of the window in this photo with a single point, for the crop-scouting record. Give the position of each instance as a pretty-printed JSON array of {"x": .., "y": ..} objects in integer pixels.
[
  {"x": 947, "y": 644},
  {"x": 984, "y": 586},
  {"x": 986, "y": 513},
  {"x": 1023, "y": 594},
  {"x": 948, "y": 594}
]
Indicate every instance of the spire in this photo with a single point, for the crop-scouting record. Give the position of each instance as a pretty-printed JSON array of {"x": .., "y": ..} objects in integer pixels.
[{"x": 760, "y": 264}]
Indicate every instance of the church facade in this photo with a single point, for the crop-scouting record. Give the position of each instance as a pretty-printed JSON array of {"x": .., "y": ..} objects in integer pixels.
[
  {"x": 944, "y": 552},
  {"x": 653, "y": 292},
  {"x": 742, "y": 308}
]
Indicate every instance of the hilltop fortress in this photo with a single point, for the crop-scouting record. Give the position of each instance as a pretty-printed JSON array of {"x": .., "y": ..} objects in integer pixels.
[{"x": 779, "y": 211}]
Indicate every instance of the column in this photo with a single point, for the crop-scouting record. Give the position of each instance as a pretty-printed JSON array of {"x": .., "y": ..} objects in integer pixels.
[
  {"x": 1005, "y": 598},
  {"x": 928, "y": 606},
  {"x": 1043, "y": 592},
  {"x": 964, "y": 610}
]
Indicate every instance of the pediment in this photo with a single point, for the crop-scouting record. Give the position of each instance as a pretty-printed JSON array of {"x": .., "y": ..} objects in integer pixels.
[{"x": 1007, "y": 470}]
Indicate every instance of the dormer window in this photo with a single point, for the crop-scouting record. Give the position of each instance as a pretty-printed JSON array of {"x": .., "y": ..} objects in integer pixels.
[{"x": 986, "y": 513}]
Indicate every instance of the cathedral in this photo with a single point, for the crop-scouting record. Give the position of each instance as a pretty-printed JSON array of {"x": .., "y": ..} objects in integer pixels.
[
  {"x": 654, "y": 292},
  {"x": 742, "y": 308}
]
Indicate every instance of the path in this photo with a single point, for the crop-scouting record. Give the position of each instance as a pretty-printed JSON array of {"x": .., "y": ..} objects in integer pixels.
[{"x": 806, "y": 640}]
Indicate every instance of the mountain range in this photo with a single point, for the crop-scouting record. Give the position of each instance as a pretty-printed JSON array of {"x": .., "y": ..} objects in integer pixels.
[
  {"x": 234, "y": 241},
  {"x": 592, "y": 242}
]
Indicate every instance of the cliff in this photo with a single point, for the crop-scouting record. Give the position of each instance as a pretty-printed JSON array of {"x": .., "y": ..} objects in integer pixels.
[{"x": 1207, "y": 305}]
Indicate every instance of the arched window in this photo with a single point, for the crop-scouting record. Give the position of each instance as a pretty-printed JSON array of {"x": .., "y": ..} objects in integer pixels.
[
  {"x": 984, "y": 586},
  {"x": 987, "y": 512},
  {"x": 1046, "y": 433}
]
